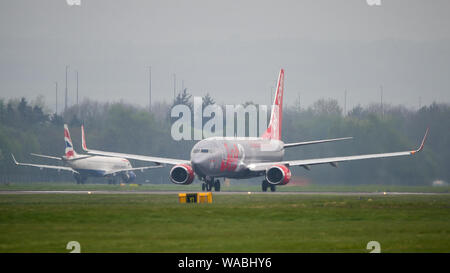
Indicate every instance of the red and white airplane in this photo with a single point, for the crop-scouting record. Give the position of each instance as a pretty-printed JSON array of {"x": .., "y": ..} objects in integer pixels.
[
  {"x": 84, "y": 166},
  {"x": 240, "y": 158}
]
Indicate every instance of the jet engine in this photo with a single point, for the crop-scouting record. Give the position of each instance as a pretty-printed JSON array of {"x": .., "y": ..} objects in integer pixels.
[
  {"x": 278, "y": 175},
  {"x": 129, "y": 177},
  {"x": 182, "y": 174}
]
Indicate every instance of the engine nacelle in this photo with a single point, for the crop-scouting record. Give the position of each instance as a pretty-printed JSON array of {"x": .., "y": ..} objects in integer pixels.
[
  {"x": 278, "y": 175},
  {"x": 182, "y": 174},
  {"x": 129, "y": 177}
]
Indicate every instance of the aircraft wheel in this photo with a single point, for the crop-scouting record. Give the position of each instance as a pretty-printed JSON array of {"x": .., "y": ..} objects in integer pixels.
[
  {"x": 83, "y": 180},
  {"x": 78, "y": 178},
  {"x": 273, "y": 188},
  {"x": 264, "y": 185},
  {"x": 209, "y": 183},
  {"x": 217, "y": 185}
]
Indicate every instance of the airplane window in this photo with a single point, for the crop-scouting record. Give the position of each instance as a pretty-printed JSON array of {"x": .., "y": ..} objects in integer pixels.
[
  {"x": 196, "y": 150},
  {"x": 204, "y": 150}
]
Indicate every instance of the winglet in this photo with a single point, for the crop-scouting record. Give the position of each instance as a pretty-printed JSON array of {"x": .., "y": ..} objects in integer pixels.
[
  {"x": 422, "y": 144},
  {"x": 14, "y": 159}
]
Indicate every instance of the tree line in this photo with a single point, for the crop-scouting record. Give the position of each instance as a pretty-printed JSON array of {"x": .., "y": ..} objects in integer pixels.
[{"x": 29, "y": 128}]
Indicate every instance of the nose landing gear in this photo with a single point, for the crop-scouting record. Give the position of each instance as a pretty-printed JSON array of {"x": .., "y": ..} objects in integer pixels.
[
  {"x": 217, "y": 185},
  {"x": 210, "y": 183}
]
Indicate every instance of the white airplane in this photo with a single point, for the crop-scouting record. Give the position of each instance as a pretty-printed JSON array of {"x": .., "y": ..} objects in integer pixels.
[
  {"x": 83, "y": 166},
  {"x": 241, "y": 158}
]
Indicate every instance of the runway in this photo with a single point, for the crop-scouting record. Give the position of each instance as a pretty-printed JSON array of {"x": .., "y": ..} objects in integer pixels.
[{"x": 220, "y": 193}]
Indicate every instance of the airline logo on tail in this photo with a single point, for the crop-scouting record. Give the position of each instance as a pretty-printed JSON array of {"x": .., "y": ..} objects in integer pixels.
[
  {"x": 83, "y": 139},
  {"x": 69, "y": 151},
  {"x": 276, "y": 117}
]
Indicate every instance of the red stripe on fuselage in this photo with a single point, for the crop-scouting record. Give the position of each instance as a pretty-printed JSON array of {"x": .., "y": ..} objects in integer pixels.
[{"x": 230, "y": 163}]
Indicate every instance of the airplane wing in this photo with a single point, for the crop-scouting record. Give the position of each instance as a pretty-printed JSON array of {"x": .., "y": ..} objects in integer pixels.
[
  {"x": 288, "y": 145},
  {"x": 157, "y": 160},
  {"x": 46, "y": 156},
  {"x": 59, "y": 168},
  {"x": 59, "y": 158},
  {"x": 332, "y": 160},
  {"x": 133, "y": 169}
]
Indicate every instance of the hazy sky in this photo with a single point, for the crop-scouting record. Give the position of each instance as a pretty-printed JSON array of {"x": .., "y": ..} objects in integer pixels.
[{"x": 231, "y": 49}]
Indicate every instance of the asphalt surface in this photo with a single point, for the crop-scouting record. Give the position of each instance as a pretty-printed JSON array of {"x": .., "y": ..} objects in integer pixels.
[{"x": 220, "y": 193}]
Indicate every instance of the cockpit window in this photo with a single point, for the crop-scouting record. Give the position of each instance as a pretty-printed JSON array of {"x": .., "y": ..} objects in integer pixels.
[{"x": 203, "y": 150}]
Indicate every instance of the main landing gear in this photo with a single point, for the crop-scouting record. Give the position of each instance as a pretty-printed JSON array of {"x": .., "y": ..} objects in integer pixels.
[
  {"x": 266, "y": 185},
  {"x": 112, "y": 181},
  {"x": 210, "y": 183},
  {"x": 79, "y": 178}
]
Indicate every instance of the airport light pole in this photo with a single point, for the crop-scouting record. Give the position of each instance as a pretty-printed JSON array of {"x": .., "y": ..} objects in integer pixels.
[
  {"x": 56, "y": 98},
  {"x": 381, "y": 99},
  {"x": 149, "y": 88},
  {"x": 65, "y": 100},
  {"x": 345, "y": 102},
  {"x": 174, "y": 86},
  {"x": 77, "y": 87}
]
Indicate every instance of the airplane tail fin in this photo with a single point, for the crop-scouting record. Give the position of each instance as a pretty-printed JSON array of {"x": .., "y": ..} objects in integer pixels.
[
  {"x": 83, "y": 139},
  {"x": 276, "y": 117},
  {"x": 69, "y": 151}
]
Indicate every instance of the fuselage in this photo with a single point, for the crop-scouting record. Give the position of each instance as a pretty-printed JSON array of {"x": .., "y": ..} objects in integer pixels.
[
  {"x": 97, "y": 166},
  {"x": 230, "y": 156}
]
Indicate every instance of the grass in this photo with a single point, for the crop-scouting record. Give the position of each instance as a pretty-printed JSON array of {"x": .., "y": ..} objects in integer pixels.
[{"x": 233, "y": 223}]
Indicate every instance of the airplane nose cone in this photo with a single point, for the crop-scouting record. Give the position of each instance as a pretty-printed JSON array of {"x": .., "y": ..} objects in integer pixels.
[
  {"x": 200, "y": 164},
  {"x": 204, "y": 157},
  {"x": 197, "y": 160}
]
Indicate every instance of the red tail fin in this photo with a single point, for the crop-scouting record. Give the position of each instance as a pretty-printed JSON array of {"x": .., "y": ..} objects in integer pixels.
[
  {"x": 83, "y": 139},
  {"x": 276, "y": 117}
]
